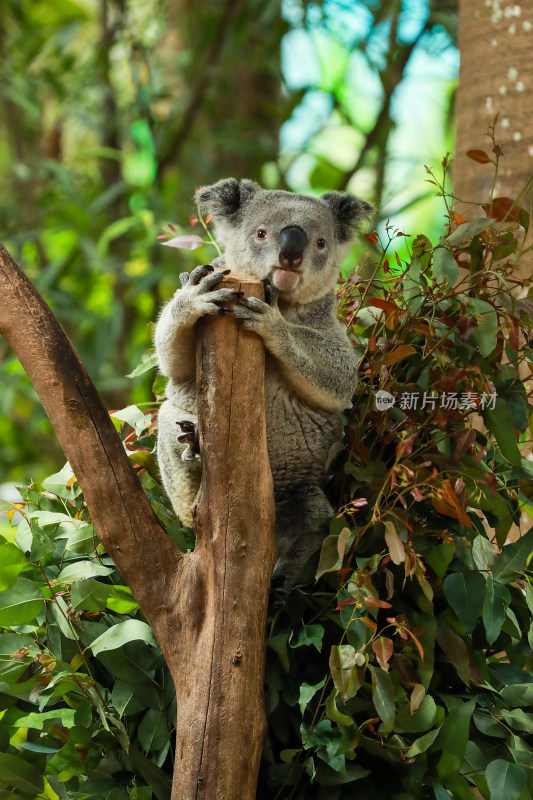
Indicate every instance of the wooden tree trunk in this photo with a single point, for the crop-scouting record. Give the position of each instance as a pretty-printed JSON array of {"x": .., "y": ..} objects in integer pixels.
[
  {"x": 496, "y": 42},
  {"x": 219, "y": 680},
  {"x": 207, "y": 608}
]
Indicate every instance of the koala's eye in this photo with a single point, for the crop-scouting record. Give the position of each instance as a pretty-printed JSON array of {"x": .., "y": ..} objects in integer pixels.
[
  {"x": 320, "y": 243},
  {"x": 261, "y": 233}
]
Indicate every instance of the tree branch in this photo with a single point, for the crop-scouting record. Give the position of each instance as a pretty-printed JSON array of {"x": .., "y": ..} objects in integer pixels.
[{"x": 123, "y": 517}]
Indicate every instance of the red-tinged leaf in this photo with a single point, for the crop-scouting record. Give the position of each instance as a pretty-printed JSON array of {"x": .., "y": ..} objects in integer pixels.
[
  {"x": 405, "y": 447},
  {"x": 385, "y": 305},
  {"x": 417, "y": 494},
  {"x": 394, "y": 543},
  {"x": 71, "y": 482},
  {"x": 348, "y": 601},
  {"x": 398, "y": 354},
  {"x": 383, "y": 648},
  {"x": 189, "y": 241},
  {"x": 416, "y": 641},
  {"x": 360, "y": 502},
  {"x": 372, "y": 237},
  {"x": 451, "y": 511},
  {"x": 514, "y": 331},
  {"x": 163, "y": 236},
  {"x": 208, "y": 219},
  {"x": 463, "y": 442},
  {"x": 478, "y": 155},
  {"x": 386, "y": 266},
  {"x": 374, "y": 602},
  {"x": 402, "y": 234},
  {"x": 193, "y": 220},
  {"x": 398, "y": 260},
  {"x": 370, "y": 624},
  {"x": 172, "y": 228},
  {"x": 503, "y": 208},
  {"x": 372, "y": 343}
]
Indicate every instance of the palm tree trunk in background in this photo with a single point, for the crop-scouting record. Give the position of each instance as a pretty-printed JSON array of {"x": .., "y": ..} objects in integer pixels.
[{"x": 496, "y": 77}]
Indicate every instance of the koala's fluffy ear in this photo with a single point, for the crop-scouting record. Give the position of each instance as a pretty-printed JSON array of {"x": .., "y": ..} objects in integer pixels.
[
  {"x": 348, "y": 211},
  {"x": 224, "y": 200}
]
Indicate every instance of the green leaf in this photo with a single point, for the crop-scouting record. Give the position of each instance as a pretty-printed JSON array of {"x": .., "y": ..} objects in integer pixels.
[
  {"x": 81, "y": 570},
  {"x": 519, "y": 720},
  {"x": 90, "y": 595},
  {"x": 453, "y": 737},
  {"x": 63, "y": 484},
  {"x": 499, "y": 422},
  {"x": 483, "y": 553},
  {"x": 309, "y": 635},
  {"x": 333, "y": 712},
  {"x": 37, "y": 721},
  {"x": 445, "y": 266},
  {"x": 455, "y": 648},
  {"x": 514, "y": 559},
  {"x": 343, "y": 663},
  {"x": 66, "y": 760},
  {"x": 439, "y": 557},
  {"x": 307, "y": 692},
  {"x": 329, "y": 556},
  {"x": 484, "y": 335},
  {"x": 82, "y": 540},
  {"x": 121, "y": 634},
  {"x": 421, "y": 720},
  {"x": 383, "y": 697},
  {"x": 134, "y": 417},
  {"x": 518, "y": 694},
  {"x": 149, "y": 361},
  {"x": 505, "y": 780},
  {"x": 465, "y": 592},
  {"x": 497, "y": 598},
  {"x": 121, "y": 600},
  {"x": 421, "y": 744},
  {"x": 467, "y": 230},
  {"x": 153, "y": 731},
  {"x": 12, "y": 562},
  {"x": 20, "y": 604},
  {"x": 325, "y": 776},
  {"x": 20, "y": 774}
]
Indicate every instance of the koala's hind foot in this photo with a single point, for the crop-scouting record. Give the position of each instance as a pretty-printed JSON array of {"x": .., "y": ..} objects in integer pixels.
[
  {"x": 296, "y": 537},
  {"x": 189, "y": 437}
]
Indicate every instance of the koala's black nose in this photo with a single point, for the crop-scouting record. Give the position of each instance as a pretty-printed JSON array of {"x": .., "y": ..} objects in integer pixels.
[{"x": 292, "y": 243}]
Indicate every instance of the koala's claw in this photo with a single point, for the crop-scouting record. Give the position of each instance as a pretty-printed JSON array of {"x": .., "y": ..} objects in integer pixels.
[
  {"x": 189, "y": 436},
  {"x": 198, "y": 273}
]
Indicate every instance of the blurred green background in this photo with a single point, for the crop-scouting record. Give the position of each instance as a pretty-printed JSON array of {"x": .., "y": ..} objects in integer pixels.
[{"x": 113, "y": 111}]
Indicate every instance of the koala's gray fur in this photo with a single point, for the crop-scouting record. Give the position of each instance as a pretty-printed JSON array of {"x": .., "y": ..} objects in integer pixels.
[{"x": 310, "y": 368}]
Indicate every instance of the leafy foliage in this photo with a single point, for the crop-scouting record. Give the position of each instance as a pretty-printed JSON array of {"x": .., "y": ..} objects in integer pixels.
[{"x": 406, "y": 671}]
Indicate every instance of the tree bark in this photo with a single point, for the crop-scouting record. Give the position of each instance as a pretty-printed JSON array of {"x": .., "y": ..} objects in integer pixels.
[
  {"x": 495, "y": 41},
  {"x": 207, "y": 608},
  {"x": 221, "y": 718}
]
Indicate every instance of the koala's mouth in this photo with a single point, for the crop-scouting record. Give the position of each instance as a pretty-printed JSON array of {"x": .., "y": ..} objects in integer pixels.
[{"x": 286, "y": 280}]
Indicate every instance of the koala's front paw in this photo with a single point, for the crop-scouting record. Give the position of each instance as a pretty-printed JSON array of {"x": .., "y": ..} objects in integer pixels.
[
  {"x": 189, "y": 437},
  {"x": 257, "y": 315},
  {"x": 199, "y": 287}
]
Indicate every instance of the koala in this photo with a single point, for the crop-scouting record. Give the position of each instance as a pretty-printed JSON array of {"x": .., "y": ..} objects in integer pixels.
[{"x": 295, "y": 245}]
